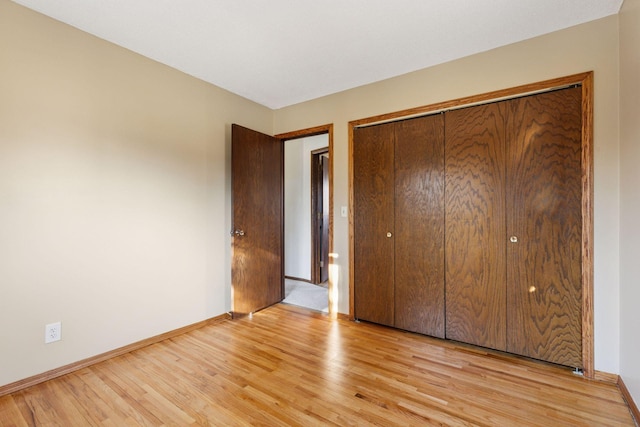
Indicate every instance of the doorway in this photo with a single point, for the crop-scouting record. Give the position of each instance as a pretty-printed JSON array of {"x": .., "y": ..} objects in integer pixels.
[
  {"x": 306, "y": 223},
  {"x": 258, "y": 246}
]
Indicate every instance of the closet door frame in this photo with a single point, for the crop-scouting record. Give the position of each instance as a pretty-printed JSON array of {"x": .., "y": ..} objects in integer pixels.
[{"x": 585, "y": 80}]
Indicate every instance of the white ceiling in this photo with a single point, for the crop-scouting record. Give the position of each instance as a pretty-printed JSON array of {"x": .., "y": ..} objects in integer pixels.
[{"x": 282, "y": 52}]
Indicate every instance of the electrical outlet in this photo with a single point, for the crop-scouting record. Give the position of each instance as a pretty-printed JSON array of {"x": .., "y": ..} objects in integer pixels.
[{"x": 52, "y": 332}]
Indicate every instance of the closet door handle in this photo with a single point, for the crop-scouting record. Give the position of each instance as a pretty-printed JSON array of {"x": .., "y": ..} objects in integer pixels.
[
  {"x": 513, "y": 239},
  {"x": 389, "y": 234}
]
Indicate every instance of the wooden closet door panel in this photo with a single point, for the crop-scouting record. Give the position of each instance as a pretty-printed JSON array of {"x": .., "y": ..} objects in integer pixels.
[
  {"x": 419, "y": 225},
  {"x": 373, "y": 218},
  {"x": 544, "y": 203},
  {"x": 475, "y": 242}
]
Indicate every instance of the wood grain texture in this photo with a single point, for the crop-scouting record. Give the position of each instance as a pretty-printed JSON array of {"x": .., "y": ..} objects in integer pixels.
[
  {"x": 419, "y": 225},
  {"x": 302, "y": 133},
  {"x": 475, "y": 225},
  {"x": 479, "y": 99},
  {"x": 373, "y": 218},
  {"x": 544, "y": 209},
  {"x": 352, "y": 288},
  {"x": 76, "y": 366},
  {"x": 587, "y": 227},
  {"x": 586, "y": 80},
  {"x": 258, "y": 204},
  {"x": 628, "y": 398},
  {"x": 290, "y": 366}
]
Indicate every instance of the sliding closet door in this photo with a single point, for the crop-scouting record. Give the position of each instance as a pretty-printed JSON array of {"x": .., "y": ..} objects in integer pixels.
[
  {"x": 475, "y": 225},
  {"x": 419, "y": 225},
  {"x": 544, "y": 286},
  {"x": 373, "y": 182}
]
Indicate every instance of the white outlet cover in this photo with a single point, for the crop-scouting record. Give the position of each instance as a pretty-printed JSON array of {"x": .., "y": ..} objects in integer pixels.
[{"x": 52, "y": 332}]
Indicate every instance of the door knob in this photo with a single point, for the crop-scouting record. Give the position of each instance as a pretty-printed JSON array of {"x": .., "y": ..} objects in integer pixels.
[
  {"x": 389, "y": 234},
  {"x": 513, "y": 239}
]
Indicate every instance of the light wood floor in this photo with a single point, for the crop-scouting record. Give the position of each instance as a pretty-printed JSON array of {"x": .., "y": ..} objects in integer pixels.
[{"x": 289, "y": 366}]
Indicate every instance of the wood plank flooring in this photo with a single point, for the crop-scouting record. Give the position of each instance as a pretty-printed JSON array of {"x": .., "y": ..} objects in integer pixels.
[{"x": 290, "y": 366}]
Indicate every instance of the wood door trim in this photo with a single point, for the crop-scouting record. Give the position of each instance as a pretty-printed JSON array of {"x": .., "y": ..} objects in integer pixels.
[
  {"x": 628, "y": 398},
  {"x": 586, "y": 81},
  {"x": 484, "y": 98},
  {"x": 587, "y": 226},
  {"x": 317, "y": 130}
]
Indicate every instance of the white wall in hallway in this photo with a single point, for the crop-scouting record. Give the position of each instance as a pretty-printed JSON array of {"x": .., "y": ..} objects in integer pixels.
[{"x": 297, "y": 202}]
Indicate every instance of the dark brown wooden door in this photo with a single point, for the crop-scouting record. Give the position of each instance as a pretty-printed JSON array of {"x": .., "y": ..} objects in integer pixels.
[
  {"x": 324, "y": 241},
  {"x": 475, "y": 225},
  {"x": 419, "y": 225},
  {"x": 373, "y": 182},
  {"x": 257, "y": 245},
  {"x": 544, "y": 200},
  {"x": 320, "y": 216}
]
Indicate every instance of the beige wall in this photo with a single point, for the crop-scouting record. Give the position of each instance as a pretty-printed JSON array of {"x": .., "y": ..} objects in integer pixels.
[
  {"x": 114, "y": 194},
  {"x": 630, "y": 195},
  {"x": 592, "y": 46}
]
